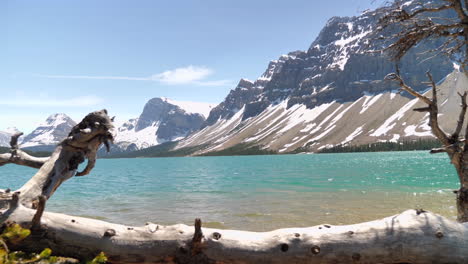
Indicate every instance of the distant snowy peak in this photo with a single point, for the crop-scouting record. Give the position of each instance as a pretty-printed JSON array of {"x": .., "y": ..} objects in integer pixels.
[
  {"x": 56, "y": 120},
  {"x": 162, "y": 120},
  {"x": 190, "y": 107},
  {"x": 52, "y": 131},
  {"x": 11, "y": 130}
]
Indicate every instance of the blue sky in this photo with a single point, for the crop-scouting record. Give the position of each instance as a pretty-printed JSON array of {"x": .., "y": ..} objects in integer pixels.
[{"x": 78, "y": 56}]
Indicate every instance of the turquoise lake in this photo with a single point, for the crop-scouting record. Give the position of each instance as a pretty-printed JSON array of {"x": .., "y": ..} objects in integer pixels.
[{"x": 255, "y": 192}]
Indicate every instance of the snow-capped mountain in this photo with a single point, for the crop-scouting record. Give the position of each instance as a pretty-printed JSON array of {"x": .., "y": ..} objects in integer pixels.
[
  {"x": 48, "y": 134},
  {"x": 162, "y": 120},
  {"x": 333, "y": 93},
  {"x": 5, "y": 136},
  {"x": 374, "y": 117}
]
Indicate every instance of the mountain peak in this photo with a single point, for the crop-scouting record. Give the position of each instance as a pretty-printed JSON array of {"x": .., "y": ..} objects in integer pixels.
[
  {"x": 11, "y": 130},
  {"x": 162, "y": 120},
  {"x": 55, "y": 128},
  {"x": 57, "y": 119}
]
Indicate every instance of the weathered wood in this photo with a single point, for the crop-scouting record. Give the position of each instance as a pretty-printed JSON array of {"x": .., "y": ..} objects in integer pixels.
[
  {"x": 22, "y": 158},
  {"x": 410, "y": 237},
  {"x": 82, "y": 142},
  {"x": 19, "y": 157}
]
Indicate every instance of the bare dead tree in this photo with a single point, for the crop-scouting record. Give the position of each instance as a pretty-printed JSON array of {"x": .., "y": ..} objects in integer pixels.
[
  {"x": 447, "y": 21},
  {"x": 413, "y": 22}
]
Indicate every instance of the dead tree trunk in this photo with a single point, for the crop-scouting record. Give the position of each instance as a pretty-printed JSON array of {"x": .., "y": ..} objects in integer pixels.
[
  {"x": 455, "y": 146},
  {"x": 410, "y": 237}
]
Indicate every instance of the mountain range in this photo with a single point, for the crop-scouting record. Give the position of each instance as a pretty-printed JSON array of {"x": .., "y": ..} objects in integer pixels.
[
  {"x": 162, "y": 120},
  {"x": 332, "y": 94}
]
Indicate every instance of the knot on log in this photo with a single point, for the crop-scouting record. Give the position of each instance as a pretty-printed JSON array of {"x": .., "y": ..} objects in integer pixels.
[
  {"x": 420, "y": 211},
  {"x": 216, "y": 236},
  {"x": 284, "y": 247},
  {"x": 315, "y": 250},
  {"x": 110, "y": 233}
]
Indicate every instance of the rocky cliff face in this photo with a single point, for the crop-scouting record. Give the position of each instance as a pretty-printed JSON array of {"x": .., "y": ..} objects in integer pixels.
[
  {"x": 373, "y": 117},
  {"x": 340, "y": 65},
  {"x": 342, "y": 69},
  {"x": 48, "y": 134},
  {"x": 161, "y": 121}
]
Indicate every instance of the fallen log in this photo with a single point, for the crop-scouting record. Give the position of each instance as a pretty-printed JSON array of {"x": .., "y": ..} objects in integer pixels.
[
  {"x": 409, "y": 237},
  {"x": 414, "y": 236}
]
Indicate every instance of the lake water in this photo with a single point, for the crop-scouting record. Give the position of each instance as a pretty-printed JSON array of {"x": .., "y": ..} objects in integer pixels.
[{"x": 255, "y": 192}]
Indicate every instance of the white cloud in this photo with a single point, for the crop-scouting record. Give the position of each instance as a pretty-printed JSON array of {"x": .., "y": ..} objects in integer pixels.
[
  {"x": 195, "y": 75},
  {"x": 53, "y": 102},
  {"x": 185, "y": 75}
]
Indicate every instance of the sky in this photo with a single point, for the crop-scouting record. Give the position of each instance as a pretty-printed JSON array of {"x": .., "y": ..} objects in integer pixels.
[{"x": 75, "y": 57}]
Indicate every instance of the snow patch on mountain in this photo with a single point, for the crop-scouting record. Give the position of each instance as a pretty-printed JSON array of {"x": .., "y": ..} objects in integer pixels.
[
  {"x": 193, "y": 107},
  {"x": 161, "y": 120},
  {"x": 126, "y": 135}
]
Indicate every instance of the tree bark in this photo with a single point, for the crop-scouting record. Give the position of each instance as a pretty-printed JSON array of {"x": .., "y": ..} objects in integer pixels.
[{"x": 410, "y": 237}]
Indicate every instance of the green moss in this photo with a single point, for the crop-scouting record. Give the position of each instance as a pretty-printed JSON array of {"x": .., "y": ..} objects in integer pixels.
[
  {"x": 99, "y": 259},
  {"x": 13, "y": 234}
]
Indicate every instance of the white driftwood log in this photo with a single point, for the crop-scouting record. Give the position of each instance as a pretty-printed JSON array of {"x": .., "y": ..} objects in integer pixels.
[{"x": 410, "y": 237}]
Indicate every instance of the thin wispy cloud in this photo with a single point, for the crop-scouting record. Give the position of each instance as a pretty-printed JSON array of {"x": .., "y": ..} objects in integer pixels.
[
  {"x": 92, "y": 77},
  {"x": 80, "y": 101},
  {"x": 195, "y": 75},
  {"x": 185, "y": 75}
]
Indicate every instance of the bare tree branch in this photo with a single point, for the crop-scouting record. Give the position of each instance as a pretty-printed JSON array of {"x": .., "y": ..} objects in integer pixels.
[
  {"x": 19, "y": 157},
  {"x": 432, "y": 104},
  {"x": 396, "y": 77},
  {"x": 461, "y": 118},
  {"x": 420, "y": 22}
]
